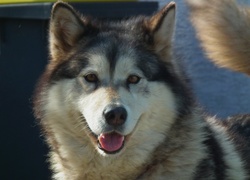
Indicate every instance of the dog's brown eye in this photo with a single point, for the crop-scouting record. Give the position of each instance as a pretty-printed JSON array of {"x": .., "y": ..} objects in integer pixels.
[
  {"x": 91, "y": 78},
  {"x": 133, "y": 79}
]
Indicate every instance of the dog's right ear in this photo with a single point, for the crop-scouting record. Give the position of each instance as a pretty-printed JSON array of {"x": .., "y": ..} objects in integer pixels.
[
  {"x": 66, "y": 27},
  {"x": 162, "y": 25}
]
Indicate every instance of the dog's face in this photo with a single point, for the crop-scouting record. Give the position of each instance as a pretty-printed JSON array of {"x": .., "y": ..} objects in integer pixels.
[
  {"x": 111, "y": 81},
  {"x": 115, "y": 90}
]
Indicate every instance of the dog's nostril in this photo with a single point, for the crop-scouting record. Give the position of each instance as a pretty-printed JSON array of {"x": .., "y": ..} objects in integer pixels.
[{"x": 115, "y": 115}]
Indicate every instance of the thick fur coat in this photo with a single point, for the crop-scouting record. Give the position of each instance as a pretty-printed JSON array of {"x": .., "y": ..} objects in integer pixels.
[{"x": 113, "y": 105}]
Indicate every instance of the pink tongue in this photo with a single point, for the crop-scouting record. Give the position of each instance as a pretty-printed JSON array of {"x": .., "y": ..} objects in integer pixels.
[{"x": 111, "y": 141}]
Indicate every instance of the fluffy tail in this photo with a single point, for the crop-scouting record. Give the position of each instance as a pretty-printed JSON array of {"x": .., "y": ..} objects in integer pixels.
[{"x": 223, "y": 27}]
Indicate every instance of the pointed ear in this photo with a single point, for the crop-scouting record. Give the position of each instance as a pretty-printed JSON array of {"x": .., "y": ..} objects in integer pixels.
[
  {"x": 65, "y": 28},
  {"x": 162, "y": 26}
]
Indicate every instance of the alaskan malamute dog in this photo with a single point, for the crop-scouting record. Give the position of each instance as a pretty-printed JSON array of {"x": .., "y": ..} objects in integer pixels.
[{"x": 113, "y": 105}]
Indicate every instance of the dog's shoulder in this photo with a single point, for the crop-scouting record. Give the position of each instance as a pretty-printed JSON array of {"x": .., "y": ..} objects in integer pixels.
[{"x": 238, "y": 129}]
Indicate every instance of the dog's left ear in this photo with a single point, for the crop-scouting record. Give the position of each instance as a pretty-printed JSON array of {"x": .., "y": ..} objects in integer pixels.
[{"x": 161, "y": 26}]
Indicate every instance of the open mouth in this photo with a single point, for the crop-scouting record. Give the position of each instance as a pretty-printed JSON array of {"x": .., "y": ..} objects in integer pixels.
[{"x": 111, "y": 143}]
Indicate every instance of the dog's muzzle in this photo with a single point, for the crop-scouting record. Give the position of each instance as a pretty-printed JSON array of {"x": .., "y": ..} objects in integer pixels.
[{"x": 113, "y": 142}]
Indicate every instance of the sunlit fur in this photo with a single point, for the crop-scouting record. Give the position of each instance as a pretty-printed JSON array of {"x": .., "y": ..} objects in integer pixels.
[{"x": 223, "y": 27}]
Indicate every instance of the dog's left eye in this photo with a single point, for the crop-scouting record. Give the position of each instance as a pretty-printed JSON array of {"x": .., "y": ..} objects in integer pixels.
[
  {"x": 92, "y": 78},
  {"x": 133, "y": 79}
]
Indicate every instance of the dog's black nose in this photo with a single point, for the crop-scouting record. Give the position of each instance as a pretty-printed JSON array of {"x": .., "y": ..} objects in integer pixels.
[{"x": 115, "y": 115}]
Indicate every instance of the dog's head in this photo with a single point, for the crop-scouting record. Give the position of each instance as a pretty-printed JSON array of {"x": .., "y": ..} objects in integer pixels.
[{"x": 111, "y": 80}]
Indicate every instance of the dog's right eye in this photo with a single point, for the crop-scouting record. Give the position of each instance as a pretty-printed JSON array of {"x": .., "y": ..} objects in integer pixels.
[{"x": 92, "y": 78}]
